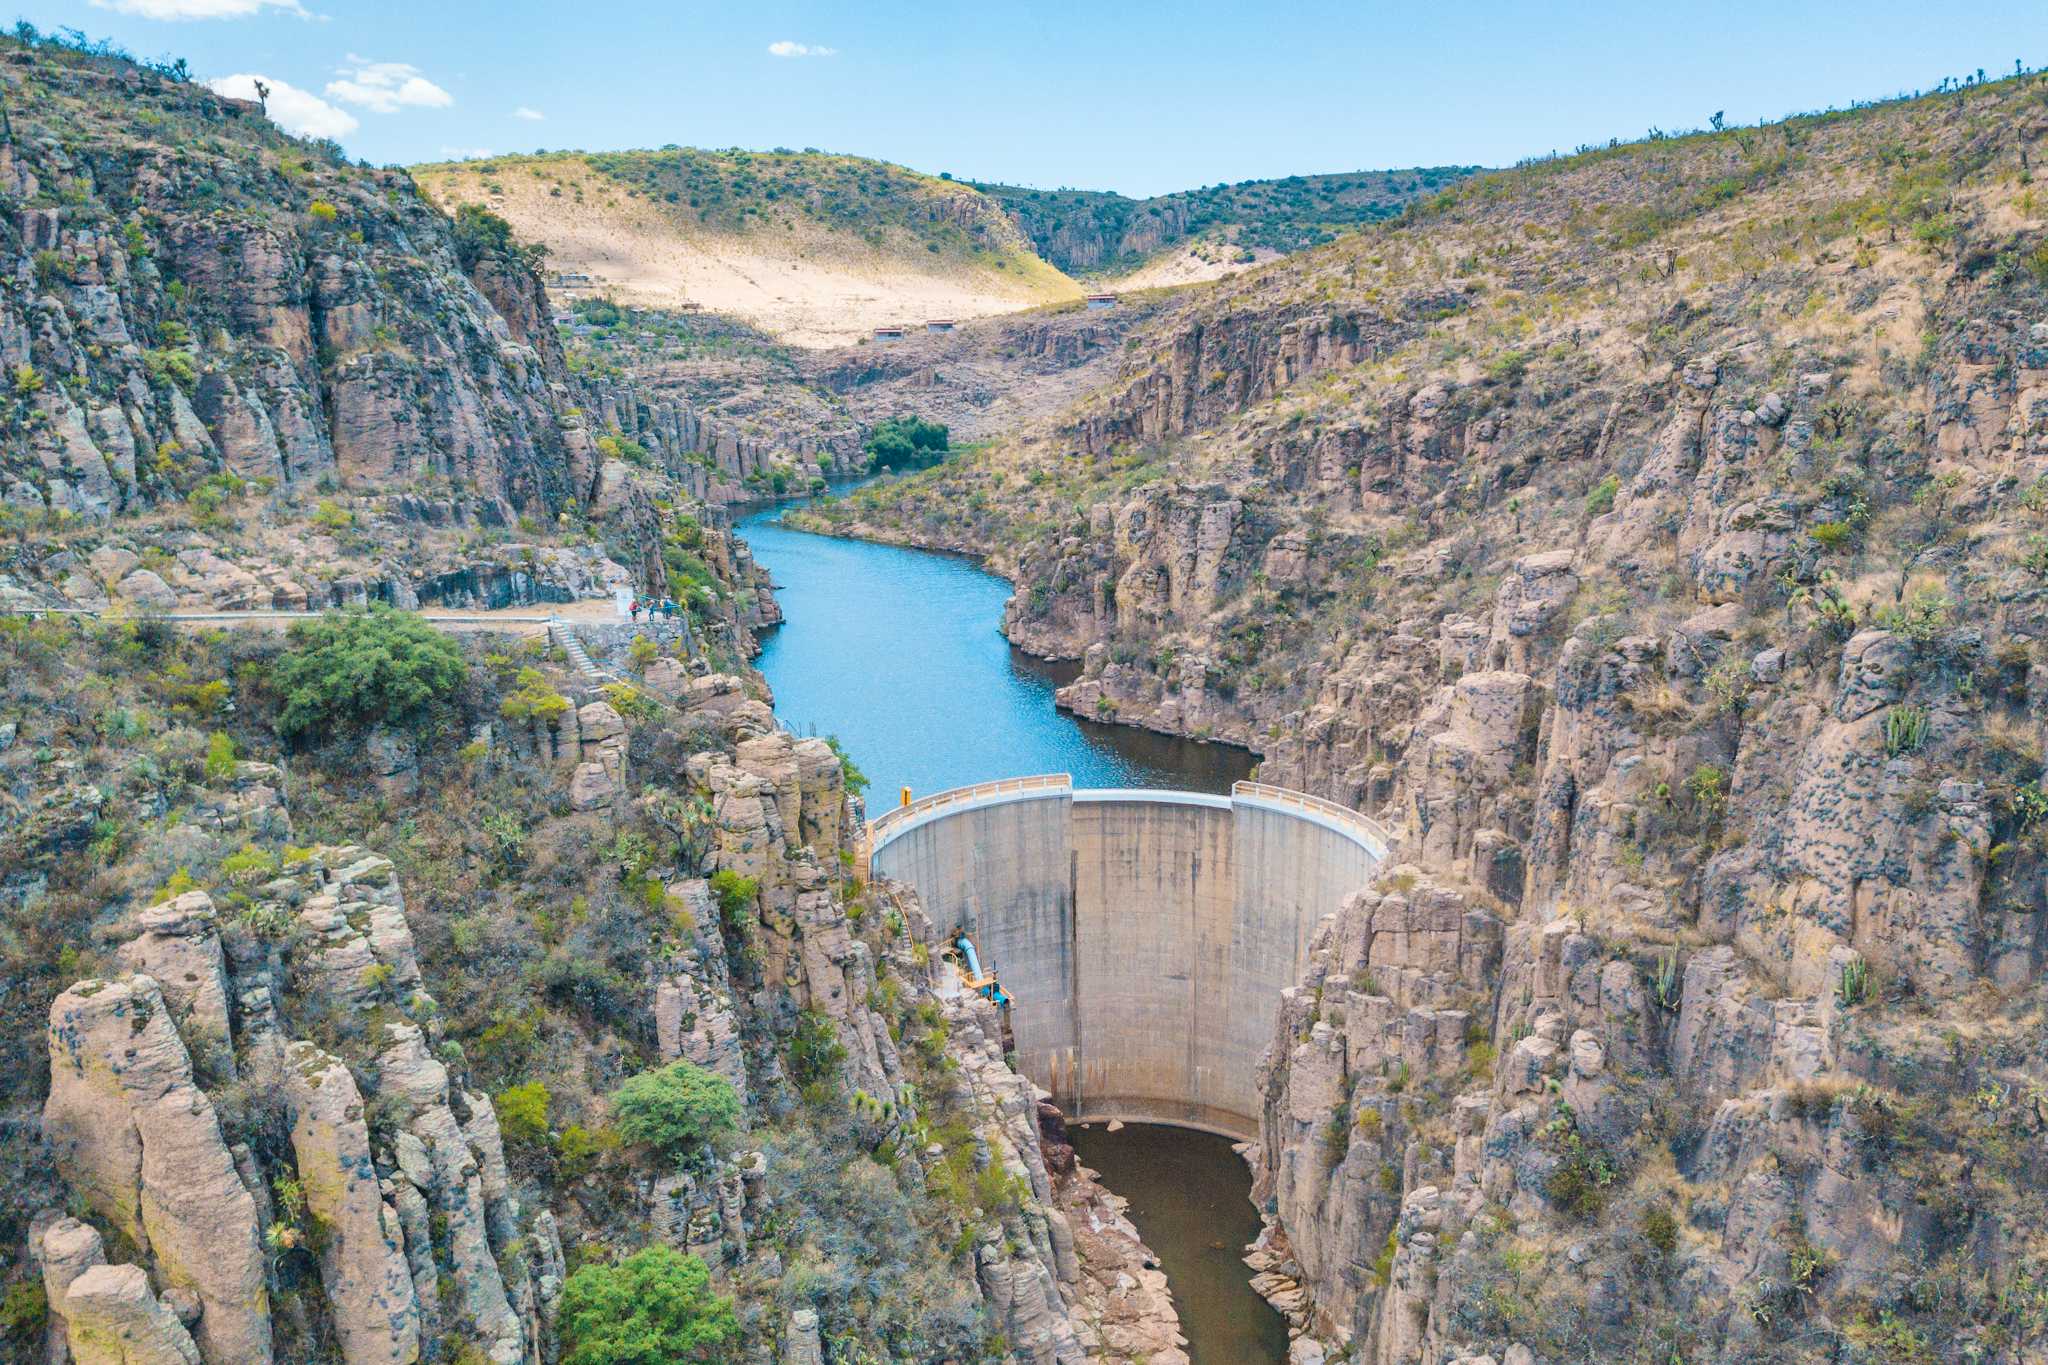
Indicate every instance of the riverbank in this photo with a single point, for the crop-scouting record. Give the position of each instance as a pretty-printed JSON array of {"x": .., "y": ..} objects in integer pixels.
[{"x": 1188, "y": 1194}]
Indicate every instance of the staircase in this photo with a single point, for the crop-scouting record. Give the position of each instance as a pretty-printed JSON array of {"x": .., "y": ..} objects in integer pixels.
[{"x": 579, "y": 657}]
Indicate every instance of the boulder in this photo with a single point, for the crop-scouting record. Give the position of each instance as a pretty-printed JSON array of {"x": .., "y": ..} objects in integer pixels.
[
  {"x": 113, "y": 1319},
  {"x": 65, "y": 1248},
  {"x": 133, "y": 1134}
]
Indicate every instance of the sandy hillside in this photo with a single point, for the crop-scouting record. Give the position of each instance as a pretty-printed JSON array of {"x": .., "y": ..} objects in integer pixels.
[
  {"x": 1199, "y": 260},
  {"x": 803, "y": 284}
]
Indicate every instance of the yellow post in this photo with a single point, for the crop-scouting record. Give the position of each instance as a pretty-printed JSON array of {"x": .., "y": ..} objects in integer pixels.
[{"x": 906, "y": 796}]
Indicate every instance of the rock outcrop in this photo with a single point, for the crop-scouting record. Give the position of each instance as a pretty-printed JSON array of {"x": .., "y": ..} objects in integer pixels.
[{"x": 140, "y": 1141}]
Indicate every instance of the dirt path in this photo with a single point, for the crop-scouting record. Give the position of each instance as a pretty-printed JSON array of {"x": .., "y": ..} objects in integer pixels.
[{"x": 510, "y": 620}]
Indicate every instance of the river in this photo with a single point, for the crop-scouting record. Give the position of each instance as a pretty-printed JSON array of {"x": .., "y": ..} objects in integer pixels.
[{"x": 896, "y": 653}]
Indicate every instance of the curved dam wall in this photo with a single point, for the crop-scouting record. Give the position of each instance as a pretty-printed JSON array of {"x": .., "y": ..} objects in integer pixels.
[{"x": 1144, "y": 937}]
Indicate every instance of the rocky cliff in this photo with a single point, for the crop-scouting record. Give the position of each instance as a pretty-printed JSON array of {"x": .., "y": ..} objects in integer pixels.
[
  {"x": 211, "y": 331},
  {"x": 336, "y": 962},
  {"x": 1651, "y": 538}
]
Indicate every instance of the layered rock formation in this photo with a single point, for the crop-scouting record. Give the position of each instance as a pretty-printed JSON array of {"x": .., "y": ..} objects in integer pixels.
[{"x": 1694, "y": 651}]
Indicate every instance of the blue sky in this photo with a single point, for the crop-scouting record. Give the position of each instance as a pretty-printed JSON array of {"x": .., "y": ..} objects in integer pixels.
[{"x": 1130, "y": 95}]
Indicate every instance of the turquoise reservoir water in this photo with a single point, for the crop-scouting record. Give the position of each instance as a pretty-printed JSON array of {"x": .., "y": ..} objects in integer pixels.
[{"x": 897, "y": 652}]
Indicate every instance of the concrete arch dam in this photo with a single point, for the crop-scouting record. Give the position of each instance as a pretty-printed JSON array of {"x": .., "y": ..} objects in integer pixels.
[{"x": 1144, "y": 937}]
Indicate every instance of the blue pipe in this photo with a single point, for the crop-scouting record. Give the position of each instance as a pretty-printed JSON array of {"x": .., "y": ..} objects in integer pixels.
[{"x": 992, "y": 990}]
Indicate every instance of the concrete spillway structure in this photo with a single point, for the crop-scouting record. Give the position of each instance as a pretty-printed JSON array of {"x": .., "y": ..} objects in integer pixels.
[{"x": 1144, "y": 937}]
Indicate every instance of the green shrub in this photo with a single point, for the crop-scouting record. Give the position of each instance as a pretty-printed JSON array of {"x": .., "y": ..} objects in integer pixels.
[
  {"x": 856, "y": 780},
  {"x": 220, "y": 757},
  {"x": 351, "y": 669},
  {"x": 523, "y": 1114},
  {"x": 53, "y": 269},
  {"x": 736, "y": 895},
  {"x": 1830, "y": 535},
  {"x": 579, "y": 1148},
  {"x": 1921, "y": 619},
  {"x": 533, "y": 699},
  {"x": 656, "y": 1305},
  {"x": 249, "y": 866},
  {"x": 24, "y": 1309},
  {"x": 479, "y": 232},
  {"x": 1708, "y": 787},
  {"x": 169, "y": 365},
  {"x": 1578, "y": 1184},
  {"x": 815, "y": 1054},
  {"x": 675, "y": 1110},
  {"x": 1600, "y": 501},
  {"x": 1660, "y": 1228}
]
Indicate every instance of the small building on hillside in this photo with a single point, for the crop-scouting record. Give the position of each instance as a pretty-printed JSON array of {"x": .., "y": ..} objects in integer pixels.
[
  {"x": 938, "y": 325},
  {"x": 1102, "y": 300},
  {"x": 889, "y": 333}
]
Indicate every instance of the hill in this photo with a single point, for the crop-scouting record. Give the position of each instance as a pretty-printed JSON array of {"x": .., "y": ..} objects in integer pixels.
[
  {"x": 818, "y": 249},
  {"x": 814, "y": 249},
  {"x": 1655, "y": 539},
  {"x": 1098, "y": 232}
]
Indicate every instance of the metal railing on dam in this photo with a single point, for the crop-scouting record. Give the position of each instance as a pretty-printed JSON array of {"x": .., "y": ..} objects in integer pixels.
[{"x": 1144, "y": 936}]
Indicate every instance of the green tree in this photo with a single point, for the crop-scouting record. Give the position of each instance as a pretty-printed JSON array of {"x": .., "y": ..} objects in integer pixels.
[
  {"x": 654, "y": 1307},
  {"x": 363, "y": 668},
  {"x": 906, "y": 442},
  {"x": 675, "y": 1110},
  {"x": 479, "y": 233}
]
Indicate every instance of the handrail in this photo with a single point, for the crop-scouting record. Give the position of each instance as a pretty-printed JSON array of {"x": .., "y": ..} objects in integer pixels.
[
  {"x": 1287, "y": 796},
  {"x": 954, "y": 796},
  {"x": 878, "y": 828},
  {"x": 1379, "y": 839}
]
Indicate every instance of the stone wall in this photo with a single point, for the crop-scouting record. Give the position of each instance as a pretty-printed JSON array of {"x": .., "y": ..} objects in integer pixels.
[{"x": 1145, "y": 936}]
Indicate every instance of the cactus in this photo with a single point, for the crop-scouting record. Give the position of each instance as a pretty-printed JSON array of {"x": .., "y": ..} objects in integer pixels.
[
  {"x": 1855, "y": 984},
  {"x": 1667, "y": 984},
  {"x": 1905, "y": 730}
]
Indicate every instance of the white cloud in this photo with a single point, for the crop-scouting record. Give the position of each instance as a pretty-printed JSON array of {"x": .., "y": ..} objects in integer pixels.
[
  {"x": 292, "y": 109},
  {"x": 785, "y": 48},
  {"x": 531, "y": 115},
  {"x": 386, "y": 87},
  {"x": 199, "y": 9}
]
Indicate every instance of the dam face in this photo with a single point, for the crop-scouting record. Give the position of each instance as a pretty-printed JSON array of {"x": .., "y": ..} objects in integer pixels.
[{"x": 1143, "y": 936}]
